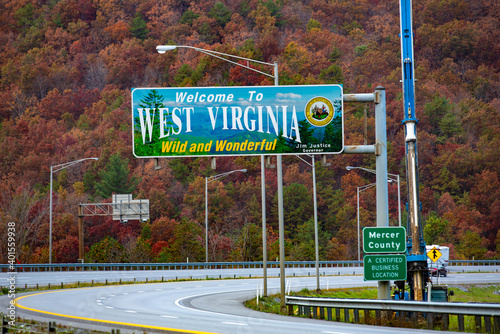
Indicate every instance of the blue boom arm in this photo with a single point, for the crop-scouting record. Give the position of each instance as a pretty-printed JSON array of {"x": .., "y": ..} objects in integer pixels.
[{"x": 417, "y": 261}]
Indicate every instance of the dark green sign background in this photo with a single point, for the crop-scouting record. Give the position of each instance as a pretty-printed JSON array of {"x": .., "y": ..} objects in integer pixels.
[
  {"x": 384, "y": 239},
  {"x": 384, "y": 267}
]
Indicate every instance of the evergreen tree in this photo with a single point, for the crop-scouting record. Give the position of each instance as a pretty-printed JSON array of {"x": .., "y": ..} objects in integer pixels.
[
  {"x": 332, "y": 75},
  {"x": 220, "y": 13},
  {"x": 138, "y": 27},
  {"x": 108, "y": 250},
  {"x": 154, "y": 102},
  {"x": 187, "y": 243},
  {"x": 250, "y": 243},
  {"x": 116, "y": 179},
  {"x": 306, "y": 133},
  {"x": 437, "y": 230},
  {"x": 188, "y": 17},
  {"x": 284, "y": 144},
  {"x": 297, "y": 203}
]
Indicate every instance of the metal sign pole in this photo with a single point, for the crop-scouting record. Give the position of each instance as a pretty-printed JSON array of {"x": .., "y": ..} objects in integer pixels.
[
  {"x": 384, "y": 289},
  {"x": 264, "y": 228},
  {"x": 316, "y": 242},
  {"x": 80, "y": 233},
  {"x": 380, "y": 151},
  {"x": 281, "y": 231}
]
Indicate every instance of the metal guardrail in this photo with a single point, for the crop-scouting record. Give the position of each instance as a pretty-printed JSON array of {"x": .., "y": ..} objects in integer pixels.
[
  {"x": 205, "y": 265},
  {"x": 171, "y": 266},
  {"x": 474, "y": 262},
  {"x": 435, "y": 313}
]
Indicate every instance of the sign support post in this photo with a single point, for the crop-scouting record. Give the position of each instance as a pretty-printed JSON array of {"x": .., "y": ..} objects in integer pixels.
[
  {"x": 120, "y": 210},
  {"x": 178, "y": 127},
  {"x": 80, "y": 234},
  {"x": 384, "y": 289}
]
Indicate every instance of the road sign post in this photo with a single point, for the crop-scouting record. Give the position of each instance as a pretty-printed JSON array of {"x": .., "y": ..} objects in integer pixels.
[{"x": 384, "y": 267}]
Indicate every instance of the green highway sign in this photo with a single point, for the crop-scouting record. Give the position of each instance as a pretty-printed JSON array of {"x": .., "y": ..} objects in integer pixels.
[
  {"x": 384, "y": 267},
  {"x": 384, "y": 239}
]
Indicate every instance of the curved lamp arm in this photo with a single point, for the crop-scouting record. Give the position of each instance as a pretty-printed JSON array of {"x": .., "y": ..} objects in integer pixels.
[
  {"x": 165, "y": 48},
  {"x": 220, "y": 176}
]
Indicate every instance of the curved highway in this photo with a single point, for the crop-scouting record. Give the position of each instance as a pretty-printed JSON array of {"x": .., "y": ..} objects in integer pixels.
[
  {"x": 43, "y": 278},
  {"x": 57, "y": 277},
  {"x": 211, "y": 306}
]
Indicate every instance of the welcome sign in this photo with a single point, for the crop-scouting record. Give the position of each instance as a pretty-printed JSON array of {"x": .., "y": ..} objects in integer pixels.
[{"x": 225, "y": 121}]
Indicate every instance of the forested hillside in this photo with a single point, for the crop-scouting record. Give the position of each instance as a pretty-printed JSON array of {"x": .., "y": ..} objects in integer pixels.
[{"x": 68, "y": 66}]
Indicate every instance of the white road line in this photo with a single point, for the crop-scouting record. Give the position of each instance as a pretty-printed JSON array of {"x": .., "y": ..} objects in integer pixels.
[
  {"x": 328, "y": 332},
  {"x": 178, "y": 302},
  {"x": 234, "y": 323},
  {"x": 131, "y": 311},
  {"x": 108, "y": 306},
  {"x": 169, "y": 316}
]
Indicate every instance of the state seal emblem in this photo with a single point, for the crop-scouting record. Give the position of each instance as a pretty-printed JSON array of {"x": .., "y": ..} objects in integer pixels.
[{"x": 319, "y": 111}]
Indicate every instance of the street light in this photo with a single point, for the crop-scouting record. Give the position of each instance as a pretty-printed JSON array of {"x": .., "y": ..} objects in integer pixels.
[
  {"x": 360, "y": 189},
  {"x": 393, "y": 177},
  {"x": 164, "y": 48},
  {"x": 316, "y": 242},
  {"x": 209, "y": 179},
  {"x": 54, "y": 169}
]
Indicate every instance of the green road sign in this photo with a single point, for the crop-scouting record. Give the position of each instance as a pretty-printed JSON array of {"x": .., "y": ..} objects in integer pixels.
[
  {"x": 385, "y": 267},
  {"x": 384, "y": 239}
]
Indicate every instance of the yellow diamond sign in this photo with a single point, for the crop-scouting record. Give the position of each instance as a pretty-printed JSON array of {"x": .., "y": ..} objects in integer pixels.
[{"x": 434, "y": 254}]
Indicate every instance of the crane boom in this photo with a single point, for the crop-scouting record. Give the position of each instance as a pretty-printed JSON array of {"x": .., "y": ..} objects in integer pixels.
[{"x": 416, "y": 258}]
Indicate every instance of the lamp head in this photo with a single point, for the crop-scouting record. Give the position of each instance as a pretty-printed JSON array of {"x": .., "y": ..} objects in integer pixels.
[
  {"x": 244, "y": 170},
  {"x": 165, "y": 48},
  {"x": 349, "y": 168}
]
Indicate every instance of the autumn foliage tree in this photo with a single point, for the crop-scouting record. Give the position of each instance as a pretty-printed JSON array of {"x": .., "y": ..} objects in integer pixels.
[{"x": 67, "y": 68}]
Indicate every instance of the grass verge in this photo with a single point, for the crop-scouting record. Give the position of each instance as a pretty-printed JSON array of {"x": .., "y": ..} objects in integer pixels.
[{"x": 486, "y": 293}]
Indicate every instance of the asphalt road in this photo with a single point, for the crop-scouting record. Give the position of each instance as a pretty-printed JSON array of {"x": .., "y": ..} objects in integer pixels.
[
  {"x": 30, "y": 279},
  {"x": 211, "y": 306},
  {"x": 57, "y": 277}
]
